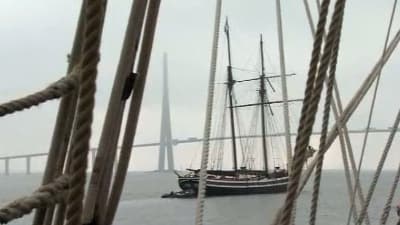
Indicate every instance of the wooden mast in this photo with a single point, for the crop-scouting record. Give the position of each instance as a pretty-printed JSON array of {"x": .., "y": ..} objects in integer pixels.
[
  {"x": 262, "y": 98},
  {"x": 284, "y": 87},
  {"x": 230, "y": 84}
]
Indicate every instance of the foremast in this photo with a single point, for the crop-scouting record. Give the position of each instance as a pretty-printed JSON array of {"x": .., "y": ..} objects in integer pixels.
[
  {"x": 263, "y": 93},
  {"x": 230, "y": 84}
]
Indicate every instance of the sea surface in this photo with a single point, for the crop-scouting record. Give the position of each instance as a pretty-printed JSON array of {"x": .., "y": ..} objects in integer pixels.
[{"x": 141, "y": 203}]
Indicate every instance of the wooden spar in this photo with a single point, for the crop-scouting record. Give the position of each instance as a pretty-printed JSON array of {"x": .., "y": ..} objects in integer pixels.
[
  {"x": 262, "y": 98},
  {"x": 111, "y": 205},
  {"x": 112, "y": 124},
  {"x": 269, "y": 103},
  {"x": 284, "y": 87},
  {"x": 230, "y": 84}
]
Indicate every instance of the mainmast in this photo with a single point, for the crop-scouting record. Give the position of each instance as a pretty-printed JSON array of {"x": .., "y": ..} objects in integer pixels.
[
  {"x": 230, "y": 84},
  {"x": 262, "y": 98}
]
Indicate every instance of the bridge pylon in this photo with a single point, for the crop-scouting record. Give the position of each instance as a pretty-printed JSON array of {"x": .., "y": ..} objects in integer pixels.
[{"x": 165, "y": 131}]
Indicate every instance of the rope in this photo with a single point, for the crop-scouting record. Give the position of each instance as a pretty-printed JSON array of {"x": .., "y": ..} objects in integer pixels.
[
  {"x": 347, "y": 170},
  {"x": 46, "y": 195},
  {"x": 63, "y": 127},
  {"x": 388, "y": 205},
  {"x": 353, "y": 104},
  {"x": 325, "y": 123},
  {"x": 94, "y": 14},
  {"x": 379, "y": 170},
  {"x": 56, "y": 90},
  {"x": 343, "y": 134},
  {"x": 207, "y": 125},
  {"x": 312, "y": 96},
  {"x": 371, "y": 110}
]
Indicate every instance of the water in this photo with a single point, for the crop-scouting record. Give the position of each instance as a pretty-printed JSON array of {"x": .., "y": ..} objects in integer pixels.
[{"x": 141, "y": 203}]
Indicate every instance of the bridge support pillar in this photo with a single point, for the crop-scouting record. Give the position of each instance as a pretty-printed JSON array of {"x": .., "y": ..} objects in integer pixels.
[
  {"x": 7, "y": 166},
  {"x": 28, "y": 165},
  {"x": 165, "y": 131}
]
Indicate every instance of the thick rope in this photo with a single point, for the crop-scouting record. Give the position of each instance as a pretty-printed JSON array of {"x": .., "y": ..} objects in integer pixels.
[
  {"x": 56, "y": 90},
  {"x": 63, "y": 126},
  {"x": 94, "y": 14},
  {"x": 287, "y": 209},
  {"x": 46, "y": 195},
  {"x": 379, "y": 169},
  {"x": 371, "y": 111},
  {"x": 343, "y": 134},
  {"x": 310, "y": 106},
  {"x": 388, "y": 205},
  {"x": 325, "y": 123},
  {"x": 207, "y": 125}
]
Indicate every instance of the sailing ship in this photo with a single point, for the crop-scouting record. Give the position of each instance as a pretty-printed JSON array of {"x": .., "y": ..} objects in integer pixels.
[{"x": 240, "y": 180}]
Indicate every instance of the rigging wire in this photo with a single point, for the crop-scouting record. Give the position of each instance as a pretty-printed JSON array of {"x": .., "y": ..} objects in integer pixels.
[
  {"x": 239, "y": 125},
  {"x": 371, "y": 112}
]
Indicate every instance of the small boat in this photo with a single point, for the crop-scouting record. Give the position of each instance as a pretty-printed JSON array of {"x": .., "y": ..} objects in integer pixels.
[{"x": 180, "y": 194}]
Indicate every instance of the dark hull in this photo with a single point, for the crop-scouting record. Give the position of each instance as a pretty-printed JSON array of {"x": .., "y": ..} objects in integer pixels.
[{"x": 235, "y": 186}]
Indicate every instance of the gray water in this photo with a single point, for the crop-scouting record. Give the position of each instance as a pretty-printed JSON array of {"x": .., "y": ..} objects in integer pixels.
[{"x": 141, "y": 203}]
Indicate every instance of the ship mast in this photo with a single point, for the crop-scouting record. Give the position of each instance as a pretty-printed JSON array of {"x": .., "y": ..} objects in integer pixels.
[
  {"x": 262, "y": 98},
  {"x": 230, "y": 84}
]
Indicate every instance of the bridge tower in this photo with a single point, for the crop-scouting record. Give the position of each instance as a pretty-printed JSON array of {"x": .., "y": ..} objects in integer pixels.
[{"x": 165, "y": 131}]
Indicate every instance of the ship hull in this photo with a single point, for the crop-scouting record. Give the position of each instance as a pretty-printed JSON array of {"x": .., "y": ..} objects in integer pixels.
[{"x": 236, "y": 186}]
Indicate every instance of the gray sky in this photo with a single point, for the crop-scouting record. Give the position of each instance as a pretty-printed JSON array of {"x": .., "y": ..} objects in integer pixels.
[{"x": 36, "y": 37}]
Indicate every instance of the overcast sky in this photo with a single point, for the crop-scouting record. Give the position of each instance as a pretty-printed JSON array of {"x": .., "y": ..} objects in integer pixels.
[{"x": 36, "y": 36}]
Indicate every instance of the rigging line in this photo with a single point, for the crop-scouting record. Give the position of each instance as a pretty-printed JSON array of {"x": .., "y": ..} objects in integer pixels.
[
  {"x": 340, "y": 132},
  {"x": 312, "y": 95},
  {"x": 254, "y": 127},
  {"x": 379, "y": 169},
  {"x": 217, "y": 130},
  {"x": 220, "y": 130},
  {"x": 324, "y": 130},
  {"x": 249, "y": 145},
  {"x": 344, "y": 157},
  {"x": 223, "y": 130},
  {"x": 371, "y": 112},
  {"x": 207, "y": 125},
  {"x": 239, "y": 125},
  {"x": 245, "y": 70},
  {"x": 388, "y": 206}
]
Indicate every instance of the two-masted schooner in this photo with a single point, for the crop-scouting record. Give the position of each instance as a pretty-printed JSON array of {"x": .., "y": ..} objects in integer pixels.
[{"x": 240, "y": 180}]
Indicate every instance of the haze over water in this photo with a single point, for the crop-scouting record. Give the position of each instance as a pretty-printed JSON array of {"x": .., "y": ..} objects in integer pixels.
[{"x": 141, "y": 203}]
